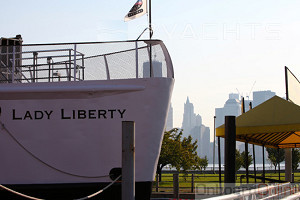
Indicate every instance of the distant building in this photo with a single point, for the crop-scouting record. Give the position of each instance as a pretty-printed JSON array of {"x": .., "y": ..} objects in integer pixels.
[
  {"x": 169, "y": 123},
  {"x": 205, "y": 144},
  {"x": 262, "y": 96},
  {"x": 192, "y": 125},
  {"x": 202, "y": 135},
  {"x": 190, "y": 119},
  {"x": 156, "y": 69},
  {"x": 233, "y": 107}
]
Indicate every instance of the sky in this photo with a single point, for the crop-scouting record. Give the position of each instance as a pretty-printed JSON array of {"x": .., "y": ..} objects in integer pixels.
[{"x": 217, "y": 46}]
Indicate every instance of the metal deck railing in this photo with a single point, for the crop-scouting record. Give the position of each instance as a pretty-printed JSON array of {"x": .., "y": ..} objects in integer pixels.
[{"x": 84, "y": 61}]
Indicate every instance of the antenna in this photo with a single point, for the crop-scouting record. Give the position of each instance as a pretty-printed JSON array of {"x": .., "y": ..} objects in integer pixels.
[
  {"x": 150, "y": 37},
  {"x": 240, "y": 95},
  {"x": 251, "y": 90},
  {"x": 238, "y": 91}
]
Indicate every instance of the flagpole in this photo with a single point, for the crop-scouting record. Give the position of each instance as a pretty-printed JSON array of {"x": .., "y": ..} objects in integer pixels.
[
  {"x": 150, "y": 21},
  {"x": 150, "y": 37}
]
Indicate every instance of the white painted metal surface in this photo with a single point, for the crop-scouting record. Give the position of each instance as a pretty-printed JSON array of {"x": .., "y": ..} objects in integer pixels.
[
  {"x": 82, "y": 136},
  {"x": 66, "y": 131},
  {"x": 295, "y": 196},
  {"x": 263, "y": 192}
]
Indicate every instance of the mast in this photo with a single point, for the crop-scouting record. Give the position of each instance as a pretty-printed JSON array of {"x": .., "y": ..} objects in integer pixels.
[
  {"x": 150, "y": 37},
  {"x": 150, "y": 21}
]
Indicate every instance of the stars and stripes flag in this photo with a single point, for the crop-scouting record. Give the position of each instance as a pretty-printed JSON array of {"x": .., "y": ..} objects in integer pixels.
[{"x": 137, "y": 10}]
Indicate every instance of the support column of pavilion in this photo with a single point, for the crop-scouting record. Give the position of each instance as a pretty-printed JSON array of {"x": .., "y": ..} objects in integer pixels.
[
  {"x": 253, "y": 146},
  {"x": 246, "y": 145},
  {"x": 264, "y": 172}
]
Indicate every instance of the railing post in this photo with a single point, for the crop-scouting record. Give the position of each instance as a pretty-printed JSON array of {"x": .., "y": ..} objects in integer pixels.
[
  {"x": 192, "y": 182},
  {"x": 157, "y": 182},
  {"x": 82, "y": 66},
  {"x": 75, "y": 64},
  {"x": 128, "y": 160},
  {"x": 107, "y": 69},
  {"x": 13, "y": 65},
  {"x": 176, "y": 185},
  {"x": 34, "y": 78},
  {"x": 49, "y": 68}
]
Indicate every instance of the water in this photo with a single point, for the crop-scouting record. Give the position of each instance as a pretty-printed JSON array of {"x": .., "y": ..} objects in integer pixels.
[
  {"x": 268, "y": 166},
  {"x": 259, "y": 167}
]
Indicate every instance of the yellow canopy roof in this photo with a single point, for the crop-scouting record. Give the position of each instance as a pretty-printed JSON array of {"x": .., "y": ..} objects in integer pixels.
[{"x": 274, "y": 123}]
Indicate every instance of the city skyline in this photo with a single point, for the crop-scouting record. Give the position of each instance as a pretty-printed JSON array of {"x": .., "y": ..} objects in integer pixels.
[
  {"x": 232, "y": 106},
  {"x": 192, "y": 122}
]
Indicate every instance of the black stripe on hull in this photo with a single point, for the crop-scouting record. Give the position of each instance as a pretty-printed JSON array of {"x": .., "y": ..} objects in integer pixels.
[{"x": 75, "y": 191}]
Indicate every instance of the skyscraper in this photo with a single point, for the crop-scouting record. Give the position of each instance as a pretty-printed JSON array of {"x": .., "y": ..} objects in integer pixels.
[
  {"x": 192, "y": 125},
  {"x": 169, "y": 123},
  {"x": 262, "y": 96},
  {"x": 190, "y": 119},
  {"x": 231, "y": 107}
]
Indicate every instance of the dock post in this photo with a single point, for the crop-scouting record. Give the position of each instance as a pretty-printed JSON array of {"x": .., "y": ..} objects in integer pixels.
[
  {"x": 192, "y": 183},
  {"x": 230, "y": 147},
  {"x": 157, "y": 183},
  {"x": 219, "y": 157},
  {"x": 288, "y": 165},
  {"x": 128, "y": 160},
  {"x": 176, "y": 185}
]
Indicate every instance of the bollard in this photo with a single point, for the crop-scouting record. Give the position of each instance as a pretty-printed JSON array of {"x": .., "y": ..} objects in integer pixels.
[
  {"x": 288, "y": 165},
  {"x": 192, "y": 182},
  {"x": 128, "y": 160},
  {"x": 176, "y": 186},
  {"x": 230, "y": 147}
]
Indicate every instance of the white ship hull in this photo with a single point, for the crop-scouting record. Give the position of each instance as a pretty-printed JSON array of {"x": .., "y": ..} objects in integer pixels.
[
  {"x": 62, "y": 107},
  {"x": 79, "y": 132}
]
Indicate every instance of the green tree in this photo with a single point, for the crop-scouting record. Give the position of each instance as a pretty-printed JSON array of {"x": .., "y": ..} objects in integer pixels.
[
  {"x": 275, "y": 156},
  {"x": 178, "y": 152},
  {"x": 170, "y": 150},
  {"x": 250, "y": 159},
  {"x": 188, "y": 158},
  {"x": 295, "y": 158},
  {"x": 238, "y": 160},
  {"x": 202, "y": 163}
]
